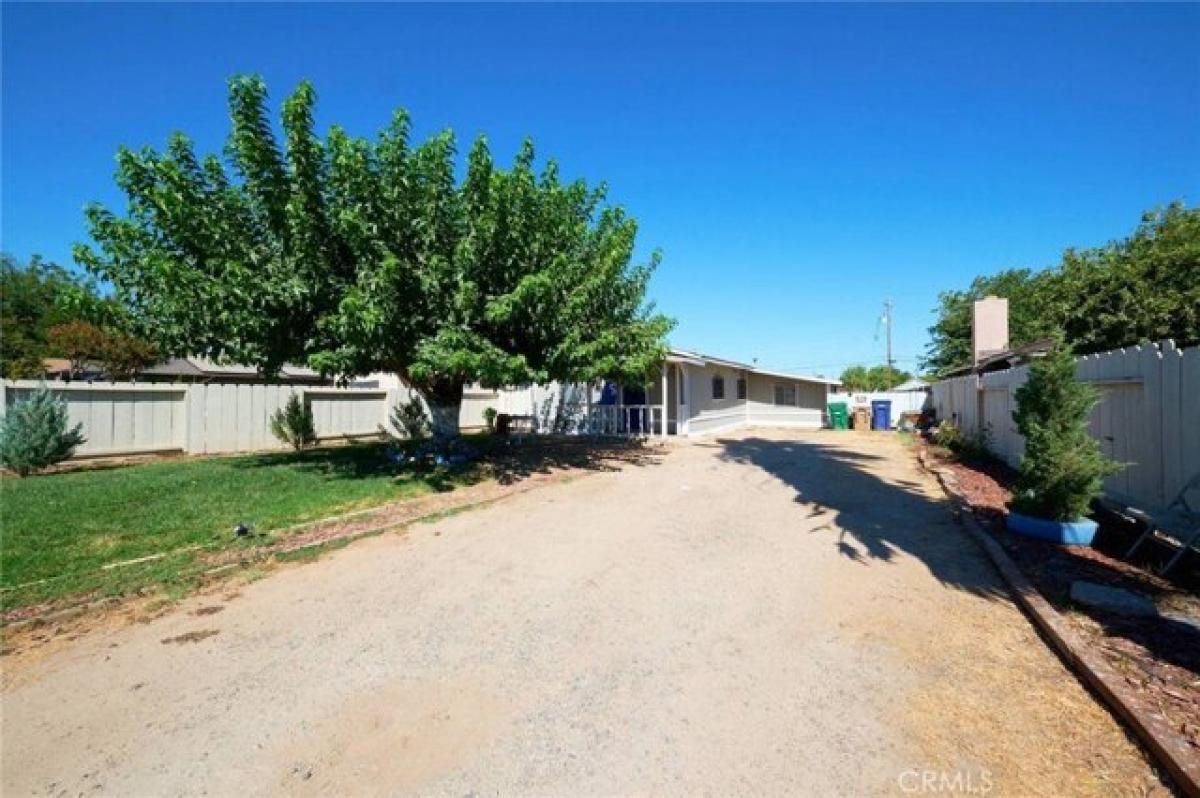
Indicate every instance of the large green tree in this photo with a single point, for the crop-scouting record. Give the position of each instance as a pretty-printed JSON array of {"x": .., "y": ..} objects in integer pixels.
[
  {"x": 876, "y": 378},
  {"x": 1142, "y": 288},
  {"x": 356, "y": 255}
]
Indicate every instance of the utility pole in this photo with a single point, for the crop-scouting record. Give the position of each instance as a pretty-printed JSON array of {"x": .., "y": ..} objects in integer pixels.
[{"x": 887, "y": 317}]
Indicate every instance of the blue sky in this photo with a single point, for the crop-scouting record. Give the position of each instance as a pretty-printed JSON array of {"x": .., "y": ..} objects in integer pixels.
[{"x": 796, "y": 164}]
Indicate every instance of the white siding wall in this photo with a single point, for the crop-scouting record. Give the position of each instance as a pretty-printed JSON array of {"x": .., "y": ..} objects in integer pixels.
[
  {"x": 807, "y": 413},
  {"x": 707, "y": 414}
]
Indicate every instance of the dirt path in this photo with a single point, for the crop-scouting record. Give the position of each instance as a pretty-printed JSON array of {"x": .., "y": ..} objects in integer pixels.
[{"x": 758, "y": 614}]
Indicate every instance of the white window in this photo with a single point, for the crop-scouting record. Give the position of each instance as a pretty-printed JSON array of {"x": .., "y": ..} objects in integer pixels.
[
  {"x": 718, "y": 387},
  {"x": 785, "y": 394}
]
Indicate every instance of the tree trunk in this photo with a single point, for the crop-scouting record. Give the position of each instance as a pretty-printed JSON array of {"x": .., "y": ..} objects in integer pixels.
[
  {"x": 443, "y": 420},
  {"x": 444, "y": 401}
]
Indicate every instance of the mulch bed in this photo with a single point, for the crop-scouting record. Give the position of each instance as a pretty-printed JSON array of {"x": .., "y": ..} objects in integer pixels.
[{"x": 1159, "y": 658}]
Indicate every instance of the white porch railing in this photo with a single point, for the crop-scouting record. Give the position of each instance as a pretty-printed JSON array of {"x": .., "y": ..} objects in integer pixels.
[{"x": 634, "y": 420}]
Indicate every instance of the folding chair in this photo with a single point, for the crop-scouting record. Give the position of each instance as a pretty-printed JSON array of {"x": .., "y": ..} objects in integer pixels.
[{"x": 1180, "y": 520}]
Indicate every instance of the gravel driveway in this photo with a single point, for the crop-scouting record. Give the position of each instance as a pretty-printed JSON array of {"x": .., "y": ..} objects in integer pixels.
[{"x": 760, "y": 613}]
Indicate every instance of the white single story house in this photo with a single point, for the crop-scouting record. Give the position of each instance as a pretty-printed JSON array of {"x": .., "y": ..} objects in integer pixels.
[{"x": 699, "y": 394}]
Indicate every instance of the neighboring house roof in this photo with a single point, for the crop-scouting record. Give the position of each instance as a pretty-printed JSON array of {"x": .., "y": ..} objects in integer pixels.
[
  {"x": 1004, "y": 360},
  {"x": 207, "y": 368},
  {"x": 55, "y": 366},
  {"x": 912, "y": 385},
  {"x": 699, "y": 359},
  {"x": 59, "y": 368}
]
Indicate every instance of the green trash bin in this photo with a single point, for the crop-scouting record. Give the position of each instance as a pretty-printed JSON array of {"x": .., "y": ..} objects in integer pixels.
[{"x": 839, "y": 415}]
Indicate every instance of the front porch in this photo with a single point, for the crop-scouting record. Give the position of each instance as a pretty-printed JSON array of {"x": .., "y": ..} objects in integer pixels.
[{"x": 640, "y": 410}]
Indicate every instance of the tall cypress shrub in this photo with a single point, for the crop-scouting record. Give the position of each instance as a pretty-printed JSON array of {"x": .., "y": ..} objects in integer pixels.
[{"x": 1063, "y": 468}]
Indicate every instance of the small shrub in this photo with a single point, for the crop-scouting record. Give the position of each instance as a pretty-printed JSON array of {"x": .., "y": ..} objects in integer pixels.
[
  {"x": 948, "y": 434},
  {"x": 489, "y": 418},
  {"x": 35, "y": 435},
  {"x": 976, "y": 446},
  {"x": 1063, "y": 468},
  {"x": 293, "y": 423},
  {"x": 411, "y": 417}
]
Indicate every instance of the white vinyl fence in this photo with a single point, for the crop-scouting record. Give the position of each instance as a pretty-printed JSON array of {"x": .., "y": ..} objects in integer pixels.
[
  {"x": 124, "y": 418},
  {"x": 134, "y": 418},
  {"x": 1148, "y": 416},
  {"x": 902, "y": 401}
]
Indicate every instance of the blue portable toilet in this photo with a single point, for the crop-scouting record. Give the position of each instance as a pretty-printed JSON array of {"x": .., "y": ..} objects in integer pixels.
[{"x": 881, "y": 414}]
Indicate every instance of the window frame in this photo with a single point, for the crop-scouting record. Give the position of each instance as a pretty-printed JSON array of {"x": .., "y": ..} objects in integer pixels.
[
  {"x": 743, "y": 390},
  {"x": 718, "y": 386},
  {"x": 784, "y": 387}
]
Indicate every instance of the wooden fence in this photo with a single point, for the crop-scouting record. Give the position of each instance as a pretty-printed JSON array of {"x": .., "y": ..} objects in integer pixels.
[
  {"x": 135, "y": 418},
  {"x": 1148, "y": 416},
  {"x": 124, "y": 418}
]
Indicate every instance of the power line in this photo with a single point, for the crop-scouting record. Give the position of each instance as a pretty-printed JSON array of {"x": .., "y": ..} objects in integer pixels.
[{"x": 856, "y": 362}]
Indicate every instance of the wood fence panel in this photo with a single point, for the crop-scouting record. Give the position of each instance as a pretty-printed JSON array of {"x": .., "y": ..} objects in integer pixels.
[
  {"x": 1149, "y": 447},
  {"x": 1189, "y": 414},
  {"x": 1148, "y": 416},
  {"x": 1172, "y": 451}
]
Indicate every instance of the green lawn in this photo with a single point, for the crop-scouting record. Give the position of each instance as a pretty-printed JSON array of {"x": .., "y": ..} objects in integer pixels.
[{"x": 64, "y": 527}]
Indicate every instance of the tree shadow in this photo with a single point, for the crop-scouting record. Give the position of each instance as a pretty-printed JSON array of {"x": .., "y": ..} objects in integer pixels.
[
  {"x": 508, "y": 460},
  {"x": 512, "y": 461},
  {"x": 360, "y": 460},
  {"x": 870, "y": 515}
]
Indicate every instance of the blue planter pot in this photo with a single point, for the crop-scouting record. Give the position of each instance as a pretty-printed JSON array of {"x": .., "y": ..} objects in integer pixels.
[{"x": 1064, "y": 533}]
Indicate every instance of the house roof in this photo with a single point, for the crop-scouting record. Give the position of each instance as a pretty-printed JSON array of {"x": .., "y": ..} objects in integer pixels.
[
  {"x": 699, "y": 359},
  {"x": 209, "y": 368},
  {"x": 912, "y": 385},
  {"x": 1007, "y": 358}
]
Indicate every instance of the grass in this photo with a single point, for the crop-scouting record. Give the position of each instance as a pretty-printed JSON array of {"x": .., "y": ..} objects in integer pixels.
[{"x": 63, "y": 528}]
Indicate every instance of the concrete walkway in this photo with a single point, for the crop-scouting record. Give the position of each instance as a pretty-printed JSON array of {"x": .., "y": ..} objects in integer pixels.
[{"x": 761, "y": 613}]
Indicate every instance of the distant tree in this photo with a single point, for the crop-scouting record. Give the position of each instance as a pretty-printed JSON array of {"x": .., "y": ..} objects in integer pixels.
[
  {"x": 355, "y": 256},
  {"x": 884, "y": 378},
  {"x": 855, "y": 378},
  {"x": 118, "y": 355},
  {"x": 32, "y": 300},
  {"x": 1142, "y": 288},
  {"x": 122, "y": 356},
  {"x": 876, "y": 378},
  {"x": 48, "y": 311},
  {"x": 80, "y": 342}
]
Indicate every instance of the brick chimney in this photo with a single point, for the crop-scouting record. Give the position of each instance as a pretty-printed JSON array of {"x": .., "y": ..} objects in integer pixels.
[{"x": 989, "y": 328}]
